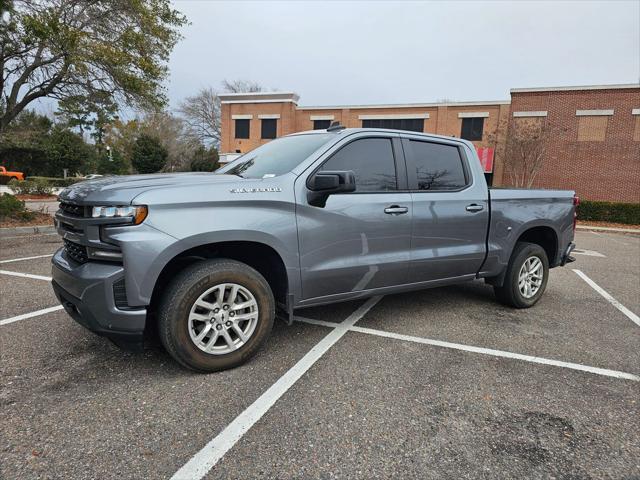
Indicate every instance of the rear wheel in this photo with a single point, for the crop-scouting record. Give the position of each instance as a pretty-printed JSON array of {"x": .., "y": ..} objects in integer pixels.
[
  {"x": 216, "y": 315},
  {"x": 526, "y": 277}
]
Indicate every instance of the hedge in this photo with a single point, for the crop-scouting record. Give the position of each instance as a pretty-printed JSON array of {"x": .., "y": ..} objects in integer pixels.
[
  {"x": 58, "y": 182},
  {"x": 628, "y": 213}
]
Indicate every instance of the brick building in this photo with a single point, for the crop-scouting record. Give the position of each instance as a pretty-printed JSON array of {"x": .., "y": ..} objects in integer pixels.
[{"x": 593, "y": 147}]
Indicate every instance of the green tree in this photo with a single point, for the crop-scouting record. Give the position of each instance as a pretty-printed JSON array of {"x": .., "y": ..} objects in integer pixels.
[
  {"x": 66, "y": 150},
  {"x": 149, "y": 156},
  {"x": 114, "y": 164},
  {"x": 88, "y": 55},
  {"x": 204, "y": 160}
]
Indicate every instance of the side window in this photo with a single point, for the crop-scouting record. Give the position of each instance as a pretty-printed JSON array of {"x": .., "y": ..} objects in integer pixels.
[
  {"x": 438, "y": 166},
  {"x": 371, "y": 159}
]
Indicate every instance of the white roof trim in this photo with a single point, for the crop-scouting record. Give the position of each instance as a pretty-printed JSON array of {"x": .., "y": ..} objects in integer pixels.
[
  {"x": 241, "y": 117},
  {"x": 581, "y": 87},
  {"x": 538, "y": 113},
  {"x": 635, "y": 111},
  {"x": 268, "y": 115},
  {"x": 473, "y": 114},
  {"x": 394, "y": 116},
  {"x": 593, "y": 113},
  {"x": 321, "y": 117},
  {"x": 407, "y": 105},
  {"x": 228, "y": 102},
  {"x": 259, "y": 97}
]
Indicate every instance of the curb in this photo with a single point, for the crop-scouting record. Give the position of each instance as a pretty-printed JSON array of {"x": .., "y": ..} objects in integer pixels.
[
  {"x": 38, "y": 229},
  {"x": 610, "y": 229}
]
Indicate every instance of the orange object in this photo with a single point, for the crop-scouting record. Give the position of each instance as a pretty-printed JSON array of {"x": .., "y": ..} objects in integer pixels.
[{"x": 12, "y": 175}]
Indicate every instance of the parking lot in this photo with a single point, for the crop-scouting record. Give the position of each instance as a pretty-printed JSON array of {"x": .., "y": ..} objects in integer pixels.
[{"x": 443, "y": 383}]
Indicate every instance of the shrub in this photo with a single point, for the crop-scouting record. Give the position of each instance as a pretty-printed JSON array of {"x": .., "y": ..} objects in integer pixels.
[
  {"x": 58, "y": 182},
  {"x": 628, "y": 213},
  {"x": 11, "y": 207},
  {"x": 38, "y": 186}
]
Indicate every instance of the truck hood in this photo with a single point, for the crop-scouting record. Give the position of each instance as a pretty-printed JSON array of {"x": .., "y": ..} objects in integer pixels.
[{"x": 123, "y": 189}]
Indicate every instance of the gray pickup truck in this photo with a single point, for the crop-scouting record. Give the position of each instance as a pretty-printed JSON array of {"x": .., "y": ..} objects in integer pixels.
[{"x": 206, "y": 261}]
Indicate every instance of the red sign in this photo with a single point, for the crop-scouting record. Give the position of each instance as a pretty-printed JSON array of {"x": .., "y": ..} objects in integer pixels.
[{"x": 485, "y": 154}]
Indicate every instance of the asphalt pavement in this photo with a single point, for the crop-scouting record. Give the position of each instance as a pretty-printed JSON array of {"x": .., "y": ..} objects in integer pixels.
[{"x": 443, "y": 383}]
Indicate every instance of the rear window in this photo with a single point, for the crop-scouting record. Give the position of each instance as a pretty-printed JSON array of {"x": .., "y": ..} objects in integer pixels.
[
  {"x": 438, "y": 166},
  {"x": 276, "y": 157}
]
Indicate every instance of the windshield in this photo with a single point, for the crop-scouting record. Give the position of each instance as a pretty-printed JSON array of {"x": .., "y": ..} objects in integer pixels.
[{"x": 276, "y": 157}]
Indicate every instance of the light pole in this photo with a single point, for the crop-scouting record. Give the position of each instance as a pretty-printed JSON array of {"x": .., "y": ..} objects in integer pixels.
[{"x": 110, "y": 153}]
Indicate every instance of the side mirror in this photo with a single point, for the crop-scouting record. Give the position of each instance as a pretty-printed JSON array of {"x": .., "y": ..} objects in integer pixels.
[
  {"x": 325, "y": 183},
  {"x": 333, "y": 182}
]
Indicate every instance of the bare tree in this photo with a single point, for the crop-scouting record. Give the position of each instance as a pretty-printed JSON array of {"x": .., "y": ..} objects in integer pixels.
[
  {"x": 201, "y": 113},
  {"x": 525, "y": 147},
  {"x": 241, "y": 86}
]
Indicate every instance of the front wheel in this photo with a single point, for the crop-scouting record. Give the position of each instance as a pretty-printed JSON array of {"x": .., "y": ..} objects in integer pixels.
[
  {"x": 526, "y": 277},
  {"x": 215, "y": 315}
]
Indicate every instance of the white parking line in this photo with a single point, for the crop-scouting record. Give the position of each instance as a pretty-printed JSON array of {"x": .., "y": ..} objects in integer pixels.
[
  {"x": 485, "y": 351},
  {"x": 25, "y": 275},
  {"x": 213, "y": 451},
  {"x": 24, "y": 316},
  {"x": 498, "y": 353},
  {"x": 589, "y": 253},
  {"x": 632, "y": 316},
  {"x": 26, "y": 258}
]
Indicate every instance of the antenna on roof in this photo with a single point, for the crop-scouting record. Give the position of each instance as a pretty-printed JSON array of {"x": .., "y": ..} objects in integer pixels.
[{"x": 335, "y": 126}]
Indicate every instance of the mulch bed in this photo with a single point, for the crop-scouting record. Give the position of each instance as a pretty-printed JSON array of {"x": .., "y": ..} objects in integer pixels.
[
  {"x": 39, "y": 219},
  {"x": 590, "y": 223},
  {"x": 41, "y": 198}
]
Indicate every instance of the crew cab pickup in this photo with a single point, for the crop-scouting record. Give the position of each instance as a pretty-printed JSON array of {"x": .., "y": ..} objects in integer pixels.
[
  {"x": 208, "y": 260},
  {"x": 7, "y": 175}
]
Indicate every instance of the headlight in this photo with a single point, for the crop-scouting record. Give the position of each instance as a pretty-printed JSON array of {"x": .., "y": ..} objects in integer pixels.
[{"x": 137, "y": 213}]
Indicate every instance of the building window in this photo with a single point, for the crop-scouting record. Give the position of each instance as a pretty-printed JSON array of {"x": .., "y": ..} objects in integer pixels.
[
  {"x": 321, "y": 124},
  {"x": 472, "y": 128},
  {"x": 438, "y": 167},
  {"x": 411, "y": 124},
  {"x": 372, "y": 161},
  {"x": 242, "y": 128},
  {"x": 592, "y": 128},
  {"x": 269, "y": 127}
]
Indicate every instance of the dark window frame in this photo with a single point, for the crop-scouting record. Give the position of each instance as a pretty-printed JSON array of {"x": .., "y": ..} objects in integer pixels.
[
  {"x": 377, "y": 123},
  {"x": 325, "y": 122},
  {"x": 399, "y": 161},
  {"x": 272, "y": 123},
  {"x": 244, "y": 121},
  {"x": 471, "y": 128},
  {"x": 412, "y": 176}
]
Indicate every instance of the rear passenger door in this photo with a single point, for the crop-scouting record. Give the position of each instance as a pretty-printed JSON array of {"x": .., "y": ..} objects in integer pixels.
[
  {"x": 361, "y": 240},
  {"x": 450, "y": 211}
]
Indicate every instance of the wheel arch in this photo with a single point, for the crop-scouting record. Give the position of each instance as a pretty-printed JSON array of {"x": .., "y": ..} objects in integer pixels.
[{"x": 260, "y": 256}]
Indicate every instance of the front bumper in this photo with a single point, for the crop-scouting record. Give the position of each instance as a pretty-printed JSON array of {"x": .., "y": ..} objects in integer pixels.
[{"x": 86, "y": 291}]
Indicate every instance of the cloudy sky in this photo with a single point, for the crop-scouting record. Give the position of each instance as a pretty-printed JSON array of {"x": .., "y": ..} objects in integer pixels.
[{"x": 367, "y": 52}]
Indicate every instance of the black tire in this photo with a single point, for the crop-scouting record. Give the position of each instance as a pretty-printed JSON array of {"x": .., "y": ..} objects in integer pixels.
[
  {"x": 509, "y": 293},
  {"x": 181, "y": 294}
]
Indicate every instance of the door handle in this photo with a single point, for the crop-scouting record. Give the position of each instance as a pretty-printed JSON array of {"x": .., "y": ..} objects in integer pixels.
[
  {"x": 474, "y": 207},
  {"x": 395, "y": 210}
]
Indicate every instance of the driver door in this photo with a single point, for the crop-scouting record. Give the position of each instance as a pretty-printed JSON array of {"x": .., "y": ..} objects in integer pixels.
[{"x": 361, "y": 240}]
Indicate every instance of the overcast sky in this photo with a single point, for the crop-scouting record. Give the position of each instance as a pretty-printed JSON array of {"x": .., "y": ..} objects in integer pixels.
[{"x": 368, "y": 52}]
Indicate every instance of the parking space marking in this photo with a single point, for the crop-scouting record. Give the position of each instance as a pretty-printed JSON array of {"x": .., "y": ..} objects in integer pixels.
[
  {"x": 25, "y": 275},
  {"x": 589, "y": 253},
  {"x": 632, "y": 316},
  {"x": 24, "y": 316},
  {"x": 26, "y": 258},
  {"x": 485, "y": 351},
  {"x": 203, "y": 461},
  {"x": 498, "y": 353}
]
